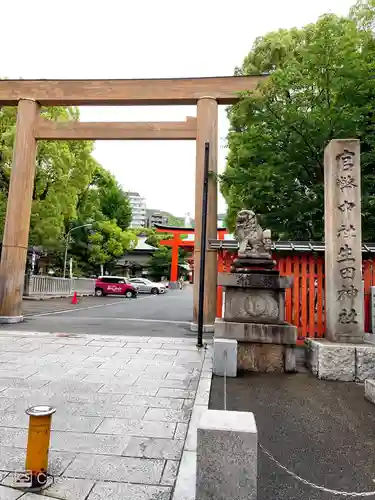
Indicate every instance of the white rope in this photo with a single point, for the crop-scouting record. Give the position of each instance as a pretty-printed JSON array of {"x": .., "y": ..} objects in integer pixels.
[{"x": 313, "y": 485}]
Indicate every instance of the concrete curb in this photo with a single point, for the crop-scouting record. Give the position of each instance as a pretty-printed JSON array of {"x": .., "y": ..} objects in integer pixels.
[
  {"x": 48, "y": 297},
  {"x": 184, "y": 488}
]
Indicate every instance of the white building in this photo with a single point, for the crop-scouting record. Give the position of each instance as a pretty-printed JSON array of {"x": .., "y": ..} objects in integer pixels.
[{"x": 138, "y": 205}]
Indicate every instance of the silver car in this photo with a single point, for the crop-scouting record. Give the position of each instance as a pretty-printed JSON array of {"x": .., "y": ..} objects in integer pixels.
[{"x": 146, "y": 286}]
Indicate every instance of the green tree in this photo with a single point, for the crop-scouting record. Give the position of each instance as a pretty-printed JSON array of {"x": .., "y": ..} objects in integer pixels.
[
  {"x": 106, "y": 206},
  {"x": 363, "y": 13},
  {"x": 108, "y": 242},
  {"x": 63, "y": 169},
  {"x": 176, "y": 221},
  {"x": 70, "y": 190},
  {"x": 321, "y": 87}
]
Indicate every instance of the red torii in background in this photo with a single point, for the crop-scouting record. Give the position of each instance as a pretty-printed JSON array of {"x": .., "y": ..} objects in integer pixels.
[{"x": 176, "y": 242}]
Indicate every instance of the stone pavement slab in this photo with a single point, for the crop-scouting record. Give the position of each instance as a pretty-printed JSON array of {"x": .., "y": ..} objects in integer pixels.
[
  {"x": 69, "y": 489},
  {"x": 9, "y": 494},
  {"x": 123, "y": 410},
  {"x": 116, "y": 491},
  {"x": 121, "y": 469},
  {"x": 144, "y": 428},
  {"x": 154, "y": 448}
]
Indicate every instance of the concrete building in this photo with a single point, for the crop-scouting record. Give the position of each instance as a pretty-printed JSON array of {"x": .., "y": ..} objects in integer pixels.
[
  {"x": 138, "y": 205},
  {"x": 156, "y": 218}
]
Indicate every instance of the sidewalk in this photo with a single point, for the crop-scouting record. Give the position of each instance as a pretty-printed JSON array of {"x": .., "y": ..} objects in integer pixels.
[{"x": 123, "y": 409}]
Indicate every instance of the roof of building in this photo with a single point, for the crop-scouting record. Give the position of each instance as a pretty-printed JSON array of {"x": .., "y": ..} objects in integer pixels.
[
  {"x": 287, "y": 246},
  {"x": 167, "y": 228},
  {"x": 142, "y": 245}
]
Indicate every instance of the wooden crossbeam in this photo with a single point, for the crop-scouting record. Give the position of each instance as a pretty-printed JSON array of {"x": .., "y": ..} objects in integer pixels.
[
  {"x": 132, "y": 131},
  {"x": 173, "y": 91}
]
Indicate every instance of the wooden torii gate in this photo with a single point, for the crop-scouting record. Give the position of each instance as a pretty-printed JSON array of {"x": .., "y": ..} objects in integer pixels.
[{"x": 29, "y": 95}]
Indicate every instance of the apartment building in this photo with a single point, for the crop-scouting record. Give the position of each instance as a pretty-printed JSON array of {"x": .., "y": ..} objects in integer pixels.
[{"x": 138, "y": 205}]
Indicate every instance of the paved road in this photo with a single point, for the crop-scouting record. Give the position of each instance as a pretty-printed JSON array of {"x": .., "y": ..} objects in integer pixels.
[
  {"x": 322, "y": 431},
  {"x": 166, "y": 315}
]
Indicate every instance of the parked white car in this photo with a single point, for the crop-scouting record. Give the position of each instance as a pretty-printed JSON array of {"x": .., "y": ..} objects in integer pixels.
[{"x": 146, "y": 286}]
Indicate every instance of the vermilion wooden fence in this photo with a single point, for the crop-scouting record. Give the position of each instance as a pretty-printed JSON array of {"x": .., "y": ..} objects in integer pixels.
[{"x": 304, "y": 302}]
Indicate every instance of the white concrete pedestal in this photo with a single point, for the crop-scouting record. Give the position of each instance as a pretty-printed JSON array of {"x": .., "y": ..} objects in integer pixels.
[{"x": 227, "y": 453}]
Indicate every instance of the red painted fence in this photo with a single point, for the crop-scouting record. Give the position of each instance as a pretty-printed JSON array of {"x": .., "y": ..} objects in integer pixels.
[{"x": 304, "y": 302}]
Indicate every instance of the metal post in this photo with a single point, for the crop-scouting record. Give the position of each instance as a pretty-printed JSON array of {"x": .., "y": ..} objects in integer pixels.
[
  {"x": 203, "y": 245},
  {"x": 67, "y": 242},
  {"x": 66, "y": 252},
  {"x": 38, "y": 443}
]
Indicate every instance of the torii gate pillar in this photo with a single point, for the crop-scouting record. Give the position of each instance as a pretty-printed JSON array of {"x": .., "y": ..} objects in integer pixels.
[{"x": 207, "y": 131}]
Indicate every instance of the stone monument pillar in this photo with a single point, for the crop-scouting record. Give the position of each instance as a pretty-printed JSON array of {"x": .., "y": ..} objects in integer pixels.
[
  {"x": 343, "y": 241},
  {"x": 255, "y": 303}
]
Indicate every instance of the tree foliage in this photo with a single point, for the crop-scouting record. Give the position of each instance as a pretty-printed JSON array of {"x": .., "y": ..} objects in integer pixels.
[
  {"x": 321, "y": 87},
  {"x": 71, "y": 189}
]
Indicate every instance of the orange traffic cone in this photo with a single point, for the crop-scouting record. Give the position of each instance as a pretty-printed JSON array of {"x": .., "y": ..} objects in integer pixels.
[{"x": 74, "y": 298}]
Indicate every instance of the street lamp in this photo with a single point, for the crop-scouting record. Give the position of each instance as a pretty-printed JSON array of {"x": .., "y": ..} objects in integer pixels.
[{"x": 67, "y": 242}]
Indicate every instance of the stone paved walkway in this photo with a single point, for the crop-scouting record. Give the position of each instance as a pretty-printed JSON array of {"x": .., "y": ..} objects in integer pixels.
[{"x": 123, "y": 409}]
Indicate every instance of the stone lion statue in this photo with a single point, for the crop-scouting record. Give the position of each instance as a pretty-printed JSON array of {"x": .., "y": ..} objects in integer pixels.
[{"x": 253, "y": 241}]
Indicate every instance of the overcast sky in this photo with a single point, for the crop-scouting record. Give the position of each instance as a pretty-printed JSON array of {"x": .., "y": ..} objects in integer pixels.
[{"x": 145, "y": 39}]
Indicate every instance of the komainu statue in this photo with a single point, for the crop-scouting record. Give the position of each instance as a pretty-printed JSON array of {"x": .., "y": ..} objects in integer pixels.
[{"x": 253, "y": 241}]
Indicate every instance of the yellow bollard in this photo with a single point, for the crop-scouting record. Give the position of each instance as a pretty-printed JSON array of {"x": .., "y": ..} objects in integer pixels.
[{"x": 38, "y": 443}]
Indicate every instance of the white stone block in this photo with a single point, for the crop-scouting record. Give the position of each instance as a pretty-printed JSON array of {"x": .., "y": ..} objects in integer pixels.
[
  {"x": 227, "y": 456},
  {"x": 225, "y": 357},
  {"x": 336, "y": 362},
  {"x": 332, "y": 361},
  {"x": 370, "y": 390},
  {"x": 365, "y": 362}
]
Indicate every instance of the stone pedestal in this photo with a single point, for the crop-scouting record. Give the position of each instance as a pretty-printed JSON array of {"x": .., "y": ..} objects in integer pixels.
[
  {"x": 225, "y": 358},
  {"x": 227, "y": 453},
  {"x": 254, "y": 316}
]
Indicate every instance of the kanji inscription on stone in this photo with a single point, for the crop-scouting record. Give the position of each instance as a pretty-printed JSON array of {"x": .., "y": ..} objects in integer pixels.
[
  {"x": 345, "y": 254},
  {"x": 255, "y": 280},
  {"x": 347, "y": 231},
  {"x": 347, "y": 273},
  {"x": 346, "y": 206},
  {"x": 346, "y": 160},
  {"x": 346, "y": 182},
  {"x": 348, "y": 316},
  {"x": 343, "y": 241},
  {"x": 347, "y": 291}
]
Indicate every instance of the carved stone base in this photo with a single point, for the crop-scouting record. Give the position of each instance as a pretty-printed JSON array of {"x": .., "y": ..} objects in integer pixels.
[
  {"x": 265, "y": 358},
  {"x": 247, "y": 264},
  {"x": 253, "y": 306},
  {"x": 283, "y": 334}
]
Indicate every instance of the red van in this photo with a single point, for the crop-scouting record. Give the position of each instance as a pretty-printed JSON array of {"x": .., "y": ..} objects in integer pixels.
[{"x": 114, "y": 285}]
